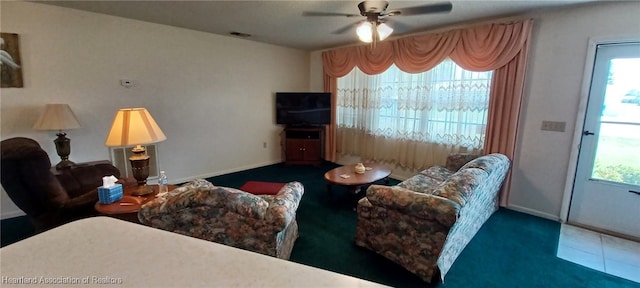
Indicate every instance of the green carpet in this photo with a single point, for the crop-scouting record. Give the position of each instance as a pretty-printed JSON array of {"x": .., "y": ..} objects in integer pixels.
[
  {"x": 511, "y": 250},
  {"x": 15, "y": 229}
]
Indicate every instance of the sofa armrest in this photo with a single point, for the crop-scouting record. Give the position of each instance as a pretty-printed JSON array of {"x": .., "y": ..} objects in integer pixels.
[
  {"x": 457, "y": 160},
  {"x": 230, "y": 199},
  {"x": 420, "y": 205},
  {"x": 283, "y": 206},
  {"x": 201, "y": 193}
]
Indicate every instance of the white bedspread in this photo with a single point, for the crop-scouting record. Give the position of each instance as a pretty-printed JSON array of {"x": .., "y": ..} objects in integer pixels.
[{"x": 106, "y": 252}]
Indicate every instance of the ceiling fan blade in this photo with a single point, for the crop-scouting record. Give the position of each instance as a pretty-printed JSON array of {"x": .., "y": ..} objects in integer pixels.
[
  {"x": 398, "y": 27},
  {"x": 345, "y": 28},
  {"x": 311, "y": 13},
  {"x": 426, "y": 9}
]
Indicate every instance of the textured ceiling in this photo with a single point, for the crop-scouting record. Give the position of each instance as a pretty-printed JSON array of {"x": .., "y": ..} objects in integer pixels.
[{"x": 282, "y": 22}]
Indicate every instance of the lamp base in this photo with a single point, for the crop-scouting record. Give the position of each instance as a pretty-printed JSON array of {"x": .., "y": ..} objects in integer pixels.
[
  {"x": 65, "y": 164},
  {"x": 142, "y": 190},
  {"x": 140, "y": 169},
  {"x": 63, "y": 147}
]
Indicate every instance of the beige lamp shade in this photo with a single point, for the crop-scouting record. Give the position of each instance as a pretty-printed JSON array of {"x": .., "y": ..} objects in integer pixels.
[
  {"x": 134, "y": 126},
  {"x": 57, "y": 117}
]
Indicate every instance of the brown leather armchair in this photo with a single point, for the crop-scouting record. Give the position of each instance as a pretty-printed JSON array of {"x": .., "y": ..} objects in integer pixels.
[{"x": 49, "y": 199}]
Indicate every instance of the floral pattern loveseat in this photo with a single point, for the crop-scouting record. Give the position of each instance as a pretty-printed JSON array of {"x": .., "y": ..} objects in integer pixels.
[
  {"x": 424, "y": 222},
  {"x": 261, "y": 223}
]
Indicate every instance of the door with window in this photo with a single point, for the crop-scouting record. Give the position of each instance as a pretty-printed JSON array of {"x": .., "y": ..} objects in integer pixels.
[{"x": 606, "y": 192}]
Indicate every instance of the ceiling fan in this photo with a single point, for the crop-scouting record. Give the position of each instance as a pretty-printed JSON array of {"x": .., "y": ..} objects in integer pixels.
[{"x": 376, "y": 13}]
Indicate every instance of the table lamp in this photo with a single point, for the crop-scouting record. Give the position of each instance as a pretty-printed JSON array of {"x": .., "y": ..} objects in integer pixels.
[
  {"x": 59, "y": 117},
  {"x": 135, "y": 126}
]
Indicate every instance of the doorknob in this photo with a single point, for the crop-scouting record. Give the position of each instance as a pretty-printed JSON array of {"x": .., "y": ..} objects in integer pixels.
[
  {"x": 634, "y": 192},
  {"x": 587, "y": 133}
]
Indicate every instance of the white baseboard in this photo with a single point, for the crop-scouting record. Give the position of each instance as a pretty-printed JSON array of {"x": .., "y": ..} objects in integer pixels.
[
  {"x": 533, "y": 212},
  {"x": 227, "y": 171}
]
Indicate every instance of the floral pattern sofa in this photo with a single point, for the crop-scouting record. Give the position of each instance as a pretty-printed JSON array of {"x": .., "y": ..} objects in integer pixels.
[
  {"x": 424, "y": 222},
  {"x": 261, "y": 223}
]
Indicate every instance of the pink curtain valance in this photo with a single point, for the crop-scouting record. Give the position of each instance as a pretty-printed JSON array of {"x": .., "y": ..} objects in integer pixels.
[
  {"x": 499, "y": 47},
  {"x": 482, "y": 48}
]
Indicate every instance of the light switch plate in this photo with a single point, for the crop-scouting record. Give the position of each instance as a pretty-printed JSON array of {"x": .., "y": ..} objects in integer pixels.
[{"x": 553, "y": 126}]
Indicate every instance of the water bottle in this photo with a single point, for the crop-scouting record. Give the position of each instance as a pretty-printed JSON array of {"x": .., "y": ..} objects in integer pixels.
[{"x": 163, "y": 183}]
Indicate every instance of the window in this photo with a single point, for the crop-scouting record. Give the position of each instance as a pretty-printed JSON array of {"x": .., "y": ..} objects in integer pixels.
[{"x": 446, "y": 105}]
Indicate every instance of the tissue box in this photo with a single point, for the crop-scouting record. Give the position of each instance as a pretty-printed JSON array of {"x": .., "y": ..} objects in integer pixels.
[{"x": 109, "y": 195}]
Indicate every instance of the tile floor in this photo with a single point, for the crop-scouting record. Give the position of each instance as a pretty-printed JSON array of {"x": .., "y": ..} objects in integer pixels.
[{"x": 602, "y": 252}]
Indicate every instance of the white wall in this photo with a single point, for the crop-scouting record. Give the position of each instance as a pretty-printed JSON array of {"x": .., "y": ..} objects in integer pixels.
[
  {"x": 316, "y": 81},
  {"x": 212, "y": 95},
  {"x": 553, "y": 92},
  {"x": 553, "y": 86}
]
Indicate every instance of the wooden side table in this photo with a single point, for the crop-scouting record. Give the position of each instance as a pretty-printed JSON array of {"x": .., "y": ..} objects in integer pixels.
[{"x": 127, "y": 208}]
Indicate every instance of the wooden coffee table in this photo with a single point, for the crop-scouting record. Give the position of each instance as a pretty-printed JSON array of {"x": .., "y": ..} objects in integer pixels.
[
  {"x": 355, "y": 182},
  {"x": 127, "y": 208}
]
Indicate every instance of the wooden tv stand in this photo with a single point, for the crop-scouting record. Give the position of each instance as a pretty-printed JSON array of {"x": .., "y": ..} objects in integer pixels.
[{"x": 303, "y": 145}]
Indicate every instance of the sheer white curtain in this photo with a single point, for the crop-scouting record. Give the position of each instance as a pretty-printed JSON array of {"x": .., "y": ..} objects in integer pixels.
[{"x": 412, "y": 120}]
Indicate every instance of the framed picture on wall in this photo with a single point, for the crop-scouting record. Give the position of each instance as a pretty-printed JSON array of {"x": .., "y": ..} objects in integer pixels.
[{"x": 10, "y": 60}]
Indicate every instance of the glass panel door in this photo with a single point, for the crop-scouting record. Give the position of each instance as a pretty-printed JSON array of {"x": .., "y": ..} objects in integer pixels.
[
  {"x": 617, "y": 156},
  {"x": 606, "y": 191}
]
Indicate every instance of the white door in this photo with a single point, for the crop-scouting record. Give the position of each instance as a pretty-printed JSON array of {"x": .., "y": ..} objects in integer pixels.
[{"x": 606, "y": 191}]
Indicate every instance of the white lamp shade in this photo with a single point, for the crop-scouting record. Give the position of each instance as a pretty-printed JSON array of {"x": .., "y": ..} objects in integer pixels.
[
  {"x": 56, "y": 117},
  {"x": 365, "y": 32},
  {"x": 134, "y": 126},
  {"x": 383, "y": 31}
]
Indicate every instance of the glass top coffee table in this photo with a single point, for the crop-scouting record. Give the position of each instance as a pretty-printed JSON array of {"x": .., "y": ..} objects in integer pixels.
[{"x": 346, "y": 176}]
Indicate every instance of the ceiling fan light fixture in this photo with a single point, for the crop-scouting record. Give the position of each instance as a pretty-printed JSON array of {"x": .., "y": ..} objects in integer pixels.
[
  {"x": 365, "y": 32},
  {"x": 383, "y": 31},
  {"x": 373, "y": 29}
]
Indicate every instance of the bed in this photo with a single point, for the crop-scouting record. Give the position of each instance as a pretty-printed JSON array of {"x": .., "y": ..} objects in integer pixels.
[{"x": 104, "y": 251}]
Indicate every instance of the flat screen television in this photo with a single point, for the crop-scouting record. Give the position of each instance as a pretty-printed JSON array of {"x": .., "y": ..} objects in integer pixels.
[{"x": 303, "y": 108}]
